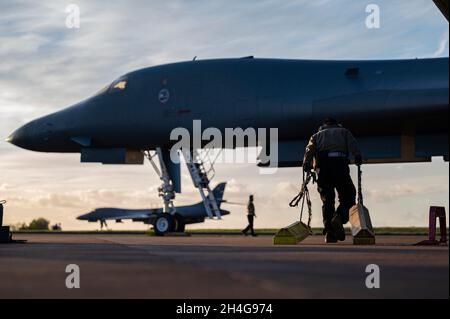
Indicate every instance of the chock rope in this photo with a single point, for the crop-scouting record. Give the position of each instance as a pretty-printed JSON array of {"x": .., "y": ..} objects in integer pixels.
[
  {"x": 360, "y": 193},
  {"x": 304, "y": 196}
]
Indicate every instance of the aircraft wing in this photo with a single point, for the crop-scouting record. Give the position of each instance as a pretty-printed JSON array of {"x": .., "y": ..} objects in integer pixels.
[
  {"x": 119, "y": 214},
  {"x": 378, "y": 149},
  {"x": 128, "y": 216}
]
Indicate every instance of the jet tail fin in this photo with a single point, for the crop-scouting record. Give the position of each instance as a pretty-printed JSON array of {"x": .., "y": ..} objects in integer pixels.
[
  {"x": 443, "y": 5},
  {"x": 218, "y": 192}
]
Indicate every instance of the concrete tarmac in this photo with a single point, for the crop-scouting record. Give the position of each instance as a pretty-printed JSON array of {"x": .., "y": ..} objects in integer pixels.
[{"x": 138, "y": 266}]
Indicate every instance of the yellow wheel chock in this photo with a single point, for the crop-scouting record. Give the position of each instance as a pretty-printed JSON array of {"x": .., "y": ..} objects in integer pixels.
[{"x": 292, "y": 234}]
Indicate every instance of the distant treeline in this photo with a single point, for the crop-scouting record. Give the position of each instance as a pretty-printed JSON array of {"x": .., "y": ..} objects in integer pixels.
[{"x": 39, "y": 224}]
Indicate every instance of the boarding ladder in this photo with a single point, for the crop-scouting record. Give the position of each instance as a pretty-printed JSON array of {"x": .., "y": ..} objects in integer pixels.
[{"x": 202, "y": 171}]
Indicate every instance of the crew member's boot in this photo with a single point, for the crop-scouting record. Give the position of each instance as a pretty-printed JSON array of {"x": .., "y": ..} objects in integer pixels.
[
  {"x": 338, "y": 227},
  {"x": 330, "y": 238}
]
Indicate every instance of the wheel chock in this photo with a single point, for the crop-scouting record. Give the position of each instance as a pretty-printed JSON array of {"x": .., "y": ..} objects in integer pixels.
[
  {"x": 364, "y": 241},
  {"x": 5, "y": 235},
  {"x": 362, "y": 229},
  {"x": 292, "y": 234}
]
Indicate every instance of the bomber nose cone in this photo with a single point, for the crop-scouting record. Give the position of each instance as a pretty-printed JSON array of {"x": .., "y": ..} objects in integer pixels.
[
  {"x": 10, "y": 139},
  {"x": 82, "y": 217},
  {"x": 23, "y": 137}
]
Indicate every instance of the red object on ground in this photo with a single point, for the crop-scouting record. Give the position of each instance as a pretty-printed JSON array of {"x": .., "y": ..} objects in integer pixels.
[{"x": 435, "y": 213}]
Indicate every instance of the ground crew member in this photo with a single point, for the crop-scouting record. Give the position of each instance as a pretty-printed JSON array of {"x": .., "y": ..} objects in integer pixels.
[
  {"x": 250, "y": 216},
  {"x": 328, "y": 154}
]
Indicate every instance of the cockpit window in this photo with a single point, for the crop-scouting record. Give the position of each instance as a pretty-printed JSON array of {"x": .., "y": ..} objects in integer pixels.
[{"x": 118, "y": 85}]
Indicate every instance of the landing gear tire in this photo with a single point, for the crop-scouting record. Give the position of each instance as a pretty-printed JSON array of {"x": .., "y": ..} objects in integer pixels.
[
  {"x": 180, "y": 226},
  {"x": 164, "y": 224}
]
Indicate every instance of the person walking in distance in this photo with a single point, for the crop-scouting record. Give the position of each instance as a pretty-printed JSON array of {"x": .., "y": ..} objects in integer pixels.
[{"x": 251, "y": 217}]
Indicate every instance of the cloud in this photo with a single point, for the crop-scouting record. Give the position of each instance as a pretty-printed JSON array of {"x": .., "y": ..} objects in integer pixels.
[
  {"x": 22, "y": 45},
  {"x": 93, "y": 199},
  {"x": 4, "y": 187},
  {"x": 443, "y": 45},
  {"x": 397, "y": 192}
]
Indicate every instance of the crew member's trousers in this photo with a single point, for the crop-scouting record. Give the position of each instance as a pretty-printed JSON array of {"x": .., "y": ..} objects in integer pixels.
[
  {"x": 334, "y": 175},
  {"x": 251, "y": 219}
]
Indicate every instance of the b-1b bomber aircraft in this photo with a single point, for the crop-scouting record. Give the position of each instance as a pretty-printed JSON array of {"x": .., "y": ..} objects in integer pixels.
[{"x": 398, "y": 109}]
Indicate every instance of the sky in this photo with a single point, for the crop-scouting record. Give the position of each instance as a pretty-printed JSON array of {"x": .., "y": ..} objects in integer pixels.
[{"x": 45, "y": 66}]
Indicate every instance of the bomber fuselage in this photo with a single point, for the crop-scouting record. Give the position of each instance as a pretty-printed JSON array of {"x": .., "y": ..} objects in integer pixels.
[{"x": 140, "y": 109}]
